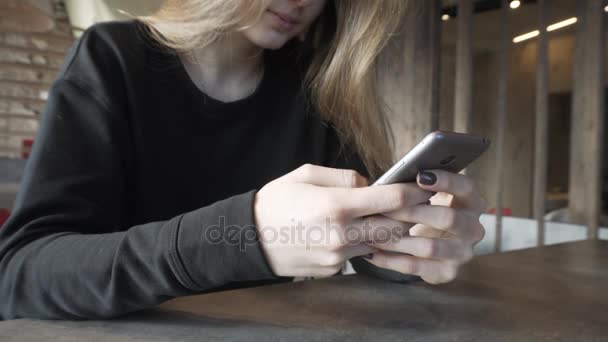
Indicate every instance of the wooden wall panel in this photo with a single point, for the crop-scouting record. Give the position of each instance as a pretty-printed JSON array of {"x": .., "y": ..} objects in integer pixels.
[
  {"x": 588, "y": 116},
  {"x": 501, "y": 118},
  {"x": 463, "y": 85},
  {"x": 411, "y": 79},
  {"x": 541, "y": 148}
]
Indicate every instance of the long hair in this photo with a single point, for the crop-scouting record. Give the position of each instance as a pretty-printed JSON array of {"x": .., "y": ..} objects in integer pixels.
[{"x": 342, "y": 78}]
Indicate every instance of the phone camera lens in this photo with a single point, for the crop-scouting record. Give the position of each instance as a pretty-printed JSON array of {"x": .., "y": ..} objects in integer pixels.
[{"x": 447, "y": 161}]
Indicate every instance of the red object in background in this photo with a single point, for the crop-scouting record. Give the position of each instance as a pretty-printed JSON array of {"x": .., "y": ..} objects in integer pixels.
[
  {"x": 505, "y": 211},
  {"x": 4, "y": 214},
  {"x": 26, "y": 148}
]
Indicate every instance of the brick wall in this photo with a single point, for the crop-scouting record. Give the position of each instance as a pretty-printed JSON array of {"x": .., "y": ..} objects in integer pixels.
[{"x": 29, "y": 63}]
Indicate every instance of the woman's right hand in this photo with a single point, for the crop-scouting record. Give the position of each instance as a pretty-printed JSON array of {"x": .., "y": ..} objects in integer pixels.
[{"x": 313, "y": 219}]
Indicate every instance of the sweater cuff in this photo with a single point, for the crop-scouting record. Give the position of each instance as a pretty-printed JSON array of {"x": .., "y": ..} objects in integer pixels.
[{"x": 219, "y": 244}]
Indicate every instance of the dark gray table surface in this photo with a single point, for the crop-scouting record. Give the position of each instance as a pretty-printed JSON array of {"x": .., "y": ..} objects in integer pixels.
[{"x": 558, "y": 292}]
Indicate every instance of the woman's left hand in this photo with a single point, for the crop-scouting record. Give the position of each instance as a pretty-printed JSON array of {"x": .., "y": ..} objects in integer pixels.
[{"x": 445, "y": 232}]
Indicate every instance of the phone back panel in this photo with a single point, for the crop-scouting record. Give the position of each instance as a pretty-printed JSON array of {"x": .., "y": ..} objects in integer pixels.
[{"x": 448, "y": 151}]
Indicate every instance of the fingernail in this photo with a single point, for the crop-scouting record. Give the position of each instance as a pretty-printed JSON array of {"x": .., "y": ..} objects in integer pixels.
[
  {"x": 427, "y": 178},
  {"x": 368, "y": 256}
]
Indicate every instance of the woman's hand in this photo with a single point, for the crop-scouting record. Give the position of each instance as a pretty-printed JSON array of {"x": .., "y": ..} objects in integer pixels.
[
  {"x": 313, "y": 219},
  {"x": 445, "y": 233}
]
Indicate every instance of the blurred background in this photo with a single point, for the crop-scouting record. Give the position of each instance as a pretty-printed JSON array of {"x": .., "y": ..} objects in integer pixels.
[{"x": 528, "y": 75}]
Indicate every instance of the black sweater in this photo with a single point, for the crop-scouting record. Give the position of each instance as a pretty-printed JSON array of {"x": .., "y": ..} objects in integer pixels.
[{"x": 134, "y": 166}]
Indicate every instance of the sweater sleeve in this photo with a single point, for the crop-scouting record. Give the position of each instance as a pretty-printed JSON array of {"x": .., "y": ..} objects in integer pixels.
[
  {"x": 346, "y": 158},
  {"x": 67, "y": 251}
]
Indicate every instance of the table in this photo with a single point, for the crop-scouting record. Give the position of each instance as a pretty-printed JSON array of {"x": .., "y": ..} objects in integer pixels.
[{"x": 558, "y": 292}]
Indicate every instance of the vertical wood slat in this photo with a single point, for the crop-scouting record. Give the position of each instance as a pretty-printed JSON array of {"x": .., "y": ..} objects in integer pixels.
[
  {"x": 410, "y": 80},
  {"x": 501, "y": 112},
  {"x": 435, "y": 24},
  {"x": 426, "y": 67},
  {"x": 409, "y": 76},
  {"x": 575, "y": 190},
  {"x": 595, "y": 18},
  {"x": 541, "y": 135},
  {"x": 463, "y": 90},
  {"x": 587, "y": 117}
]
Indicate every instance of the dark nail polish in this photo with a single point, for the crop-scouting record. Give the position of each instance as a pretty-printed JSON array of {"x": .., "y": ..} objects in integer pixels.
[
  {"x": 427, "y": 178},
  {"x": 368, "y": 256}
]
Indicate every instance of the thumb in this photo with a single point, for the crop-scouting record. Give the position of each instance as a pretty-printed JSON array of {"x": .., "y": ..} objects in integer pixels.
[{"x": 327, "y": 177}]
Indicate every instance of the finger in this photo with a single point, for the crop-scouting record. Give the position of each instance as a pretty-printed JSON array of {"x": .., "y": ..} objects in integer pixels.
[
  {"x": 426, "y": 231},
  {"x": 327, "y": 177},
  {"x": 337, "y": 258},
  {"x": 358, "y": 250},
  {"x": 453, "y": 221},
  {"x": 462, "y": 187},
  {"x": 446, "y": 249},
  {"x": 432, "y": 271},
  {"x": 376, "y": 228},
  {"x": 378, "y": 199},
  {"x": 442, "y": 198}
]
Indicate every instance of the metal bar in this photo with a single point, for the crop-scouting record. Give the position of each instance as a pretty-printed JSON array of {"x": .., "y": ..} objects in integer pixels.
[
  {"x": 542, "y": 124},
  {"x": 501, "y": 111}
]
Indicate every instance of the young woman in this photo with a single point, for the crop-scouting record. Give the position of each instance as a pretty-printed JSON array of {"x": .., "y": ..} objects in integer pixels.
[{"x": 158, "y": 131}]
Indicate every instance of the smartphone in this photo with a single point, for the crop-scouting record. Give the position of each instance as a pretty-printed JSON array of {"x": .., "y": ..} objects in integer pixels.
[{"x": 439, "y": 150}]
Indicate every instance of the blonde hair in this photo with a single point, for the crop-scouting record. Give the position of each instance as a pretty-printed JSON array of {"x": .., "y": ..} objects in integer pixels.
[{"x": 346, "y": 41}]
